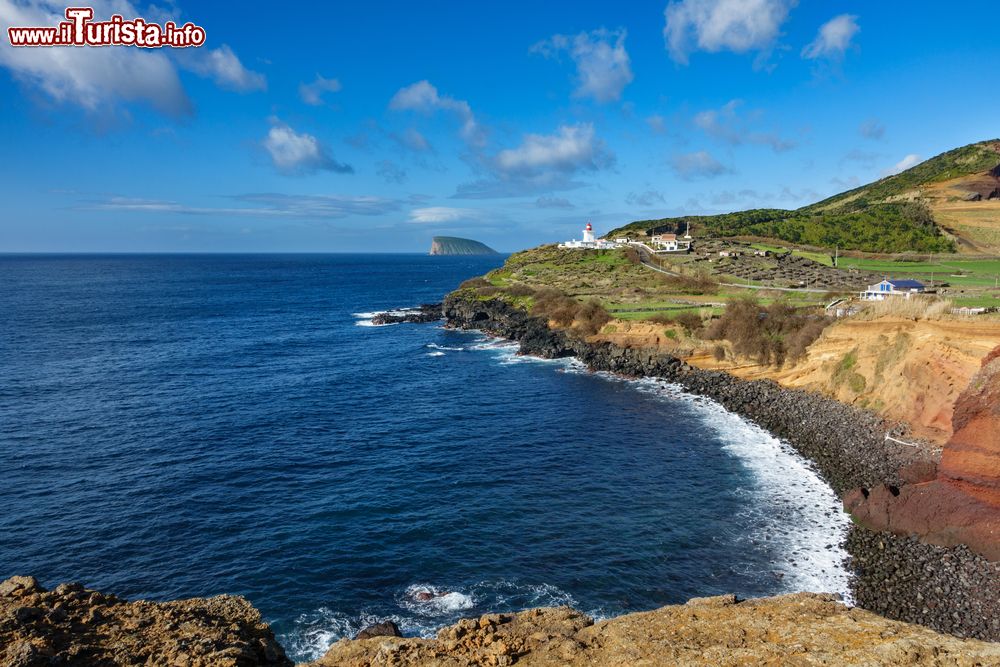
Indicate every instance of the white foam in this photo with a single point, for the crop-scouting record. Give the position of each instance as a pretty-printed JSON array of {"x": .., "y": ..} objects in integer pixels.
[
  {"x": 365, "y": 319},
  {"x": 315, "y": 632},
  {"x": 439, "y": 603},
  {"x": 791, "y": 504},
  {"x": 434, "y": 354},
  {"x": 435, "y": 346}
]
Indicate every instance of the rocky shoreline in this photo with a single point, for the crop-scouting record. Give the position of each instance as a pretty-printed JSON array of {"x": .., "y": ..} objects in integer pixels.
[{"x": 948, "y": 589}]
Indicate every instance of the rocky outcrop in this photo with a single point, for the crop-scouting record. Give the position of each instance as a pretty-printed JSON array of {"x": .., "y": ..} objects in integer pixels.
[
  {"x": 422, "y": 314},
  {"x": 71, "y": 625},
  {"x": 961, "y": 505},
  {"x": 799, "y": 629}
]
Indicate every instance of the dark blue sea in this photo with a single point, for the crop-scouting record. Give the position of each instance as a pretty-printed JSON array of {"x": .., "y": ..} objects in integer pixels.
[{"x": 177, "y": 426}]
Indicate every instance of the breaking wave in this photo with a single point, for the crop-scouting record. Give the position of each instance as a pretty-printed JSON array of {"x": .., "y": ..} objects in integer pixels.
[{"x": 420, "y": 610}]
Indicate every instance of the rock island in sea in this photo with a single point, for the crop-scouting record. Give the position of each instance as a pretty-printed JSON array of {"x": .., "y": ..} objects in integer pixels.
[{"x": 452, "y": 245}]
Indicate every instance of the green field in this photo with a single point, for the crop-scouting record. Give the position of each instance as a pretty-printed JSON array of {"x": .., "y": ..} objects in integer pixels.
[{"x": 981, "y": 273}]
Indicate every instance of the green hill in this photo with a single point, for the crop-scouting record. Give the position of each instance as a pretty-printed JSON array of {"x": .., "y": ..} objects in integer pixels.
[{"x": 893, "y": 214}]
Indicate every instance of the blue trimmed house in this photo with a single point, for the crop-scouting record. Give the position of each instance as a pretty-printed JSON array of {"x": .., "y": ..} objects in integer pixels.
[{"x": 887, "y": 288}]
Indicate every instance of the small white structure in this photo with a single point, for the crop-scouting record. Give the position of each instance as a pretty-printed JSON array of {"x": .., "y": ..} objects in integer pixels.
[
  {"x": 893, "y": 288},
  {"x": 589, "y": 242},
  {"x": 666, "y": 242}
]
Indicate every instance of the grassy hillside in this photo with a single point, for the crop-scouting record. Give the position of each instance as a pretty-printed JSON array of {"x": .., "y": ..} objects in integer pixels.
[{"x": 890, "y": 215}]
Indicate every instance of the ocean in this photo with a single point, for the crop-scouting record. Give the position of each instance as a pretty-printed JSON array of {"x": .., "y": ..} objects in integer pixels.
[{"x": 176, "y": 426}]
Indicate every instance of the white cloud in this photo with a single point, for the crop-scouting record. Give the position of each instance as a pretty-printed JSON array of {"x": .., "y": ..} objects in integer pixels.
[
  {"x": 657, "y": 123},
  {"x": 99, "y": 80},
  {"x": 872, "y": 129},
  {"x": 273, "y": 205},
  {"x": 434, "y": 214},
  {"x": 95, "y": 79},
  {"x": 726, "y": 125},
  {"x": 390, "y": 171},
  {"x": 647, "y": 198},
  {"x": 312, "y": 93},
  {"x": 700, "y": 164},
  {"x": 603, "y": 67},
  {"x": 541, "y": 164},
  {"x": 723, "y": 25},
  {"x": 833, "y": 39},
  {"x": 553, "y": 202},
  {"x": 299, "y": 153},
  {"x": 222, "y": 66},
  {"x": 907, "y": 162},
  {"x": 412, "y": 139},
  {"x": 572, "y": 148},
  {"x": 422, "y": 96}
]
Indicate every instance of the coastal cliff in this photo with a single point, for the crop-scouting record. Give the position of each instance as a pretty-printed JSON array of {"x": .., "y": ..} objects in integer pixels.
[
  {"x": 961, "y": 503},
  {"x": 947, "y": 588},
  {"x": 73, "y": 625}
]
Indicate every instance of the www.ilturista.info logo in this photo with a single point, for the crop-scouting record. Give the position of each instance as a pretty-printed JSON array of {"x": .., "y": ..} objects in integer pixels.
[{"x": 80, "y": 30}]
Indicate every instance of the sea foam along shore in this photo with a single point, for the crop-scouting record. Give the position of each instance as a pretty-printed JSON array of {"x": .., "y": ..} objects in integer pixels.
[
  {"x": 948, "y": 589},
  {"x": 793, "y": 506}
]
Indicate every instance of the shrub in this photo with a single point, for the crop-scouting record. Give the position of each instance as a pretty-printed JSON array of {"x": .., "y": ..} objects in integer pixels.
[
  {"x": 475, "y": 283},
  {"x": 585, "y": 318},
  {"x": 591, "y": 317},
  {"x": 519, "y": 289},
  {"x": 699, "y": 284},
  {"x": 771, "y": 334},
  {"x": 689, "y": 321}
]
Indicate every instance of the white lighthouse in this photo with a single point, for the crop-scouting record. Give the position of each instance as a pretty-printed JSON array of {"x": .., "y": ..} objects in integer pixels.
[{"x": 590, "y": 241}]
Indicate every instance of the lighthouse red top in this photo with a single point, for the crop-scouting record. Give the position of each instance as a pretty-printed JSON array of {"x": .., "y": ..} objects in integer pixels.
[{"x": 590, "y": 227}]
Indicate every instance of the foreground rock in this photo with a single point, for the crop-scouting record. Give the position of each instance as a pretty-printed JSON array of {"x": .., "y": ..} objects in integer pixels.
[
  {"x": 71, "y": 625},
  {"x": 799, "y": 629},
  {"x": 426, "y": 312}
]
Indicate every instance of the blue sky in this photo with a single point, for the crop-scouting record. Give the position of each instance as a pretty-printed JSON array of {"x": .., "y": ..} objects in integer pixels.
[{"x": 375, "y": 126}]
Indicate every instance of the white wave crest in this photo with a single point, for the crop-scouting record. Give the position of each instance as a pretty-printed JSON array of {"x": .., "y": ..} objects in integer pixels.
[
  {"x": 430, "y": 601},
  {"x": 421, "y": 610},
  {"x": 791, "y": 506}
]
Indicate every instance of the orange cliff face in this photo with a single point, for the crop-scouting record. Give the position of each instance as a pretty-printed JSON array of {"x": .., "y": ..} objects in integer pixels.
[
  {"x": 971, "y": 459},
  {"x": 906, "y": 370},
  {"x": 961, "y": 505}
]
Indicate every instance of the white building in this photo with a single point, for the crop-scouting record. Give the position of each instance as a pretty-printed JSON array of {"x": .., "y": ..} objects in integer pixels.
[
  {"x": 666, "y": 242},
  {"x": 887, "y": 288},
  {"x": 589, "y": 242}
]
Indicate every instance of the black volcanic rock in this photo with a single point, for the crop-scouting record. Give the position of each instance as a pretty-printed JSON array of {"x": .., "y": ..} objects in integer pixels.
[
  {"x": 383, "y": 629},
  {"x": 426, "y": 312}
]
